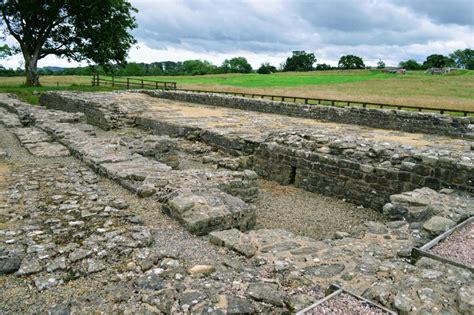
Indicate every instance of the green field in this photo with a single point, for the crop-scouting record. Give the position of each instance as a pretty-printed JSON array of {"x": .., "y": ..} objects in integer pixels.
[
  {"x": 288, "y": 79},
  {"x": 451, "y": 91}
]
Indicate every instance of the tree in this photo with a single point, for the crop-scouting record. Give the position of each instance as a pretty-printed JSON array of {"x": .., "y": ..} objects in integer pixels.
[
  {"x": 380, "y": 64},
  {"x": 198, "y": 67},
  {"x": 410, "y": 64},
  {"x": 131, "y": 69},
  {"x": 91, "y": 30},
  {"x": 266, "y": 68},
  {"x": 300, "y": 61},
  {"x": 438, "y": 61},
  {"x": 323, "y": 67},
  {"x": 5, "y": 51},
  {"x": 464, "y": 58},
  {"x": 236, "y": 65},
  {"x": 351, "y": 62}
]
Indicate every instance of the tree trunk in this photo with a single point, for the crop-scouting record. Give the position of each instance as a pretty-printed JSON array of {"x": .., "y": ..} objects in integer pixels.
[{"x": 31, "y": 68}]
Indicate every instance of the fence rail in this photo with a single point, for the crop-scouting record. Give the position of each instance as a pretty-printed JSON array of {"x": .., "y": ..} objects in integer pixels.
[
  {"x": 168, "y": 85},
  {"x": 334, "y": 102},
  {"x": 133, "y": 83}
]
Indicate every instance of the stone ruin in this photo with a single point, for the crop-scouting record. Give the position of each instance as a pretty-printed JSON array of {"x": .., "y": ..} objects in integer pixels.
[{"x": 423, "y": 183}]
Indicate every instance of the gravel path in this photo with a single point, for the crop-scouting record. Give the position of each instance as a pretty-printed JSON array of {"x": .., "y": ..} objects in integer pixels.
[
  {"x": 345, "y": 304},
  {"x": 459, "y": 246},
  {"x": 306, "y": 213}
]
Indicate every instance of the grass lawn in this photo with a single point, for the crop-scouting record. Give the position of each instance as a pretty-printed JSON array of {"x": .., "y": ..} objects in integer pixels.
[
  {"x": 451, "y": 91},
  {"x": 287, "y": 79},
  {"x": 32, "y": 94}
]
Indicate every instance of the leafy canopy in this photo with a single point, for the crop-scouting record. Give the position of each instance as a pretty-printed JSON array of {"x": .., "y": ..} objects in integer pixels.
[
  {"x": 300, "y": 61},
  {"x": 438, "y": 61},
  {"x": 380, "y": 64},
  {"x": 266, "y": 68},
  {"x": 351, "y": 62},
  {"x": 236, "y": 65},
  {"x": 92, "y": 30},
  {"x": 464, "y": 58},
  {"x": 410, "y": 64},
  {"x": 5, "y": 51}
]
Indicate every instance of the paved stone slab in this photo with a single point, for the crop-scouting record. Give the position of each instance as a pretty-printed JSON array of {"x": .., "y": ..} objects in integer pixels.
[
  {"x": 32, "y": 135},
  {"x": 135, "y": 169},
  {"x": 8, "y": 119},
  {"x": 39, "y": 143},
  {"x": 421, "y": 204},
  {"x": 47, "y": 149}
]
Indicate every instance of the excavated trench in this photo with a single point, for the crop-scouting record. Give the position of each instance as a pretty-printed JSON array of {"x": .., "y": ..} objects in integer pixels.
[
  {"x": 278, "y": 206},
  {"x": 197, "y": 168}
]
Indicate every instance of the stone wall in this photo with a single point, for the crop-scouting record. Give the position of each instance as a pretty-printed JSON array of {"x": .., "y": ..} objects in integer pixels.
[
  {"x": 378, "y": 118},
  {"x": 95, "y": 114},
  {"x": 364, "y": 173},
  {"x": 360, "y": 170},
  {"x": 230, "y": 144}
]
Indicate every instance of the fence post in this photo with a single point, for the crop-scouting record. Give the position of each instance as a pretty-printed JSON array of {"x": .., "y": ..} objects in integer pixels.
[
  {"x": 143, "y": 86},
  {"x": 113, "y": 83},
  {"x": 93, "y": 79},
  {"x": 128, "y": 83},
  {"x": 156, "y": 85},
  {"x": 98, "y": 80}
]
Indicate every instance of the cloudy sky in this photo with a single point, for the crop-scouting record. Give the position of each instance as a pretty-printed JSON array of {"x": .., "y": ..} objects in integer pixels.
[{"x": 268, "y": 30}]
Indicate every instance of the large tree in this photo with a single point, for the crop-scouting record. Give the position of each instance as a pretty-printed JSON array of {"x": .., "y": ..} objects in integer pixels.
[
  {"x": 236, "y": 65},
  {"x": 300, "y": 61},
  {"x": 92, "y": 30},
  {"x": 266, "y": 68},
  {"x": 438, "y": 61},
  {"x": 351, "y": 62},
  {"x": 198, "y": 67},
  {"x": 410, "y": 64},
  {"x": 464, "y": 58}
]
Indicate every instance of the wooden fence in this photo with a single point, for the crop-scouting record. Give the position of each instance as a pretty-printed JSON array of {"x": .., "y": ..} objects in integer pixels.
[
  {"x": 132, "y": 83},
  {"x": 334, "y": 102}
]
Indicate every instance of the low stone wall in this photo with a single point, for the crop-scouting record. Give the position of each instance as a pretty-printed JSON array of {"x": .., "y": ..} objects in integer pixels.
[
  {"x": 378, "y": 118},
  {"x": 362, "y": 173},
  {"x": 93, "y": 113},
  {"x": 360, "y": 170},
  {"x": 230, "y": 144}
]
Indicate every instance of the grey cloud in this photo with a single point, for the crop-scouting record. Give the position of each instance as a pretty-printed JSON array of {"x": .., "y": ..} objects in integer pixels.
[
  {"x": 460, "y": 12},
  {"x": 212, "y": 23},
  {"x": 264, "y": 26}
]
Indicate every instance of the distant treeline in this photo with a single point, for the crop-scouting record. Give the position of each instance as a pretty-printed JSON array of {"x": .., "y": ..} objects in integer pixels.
[{"x": 298, "y": 61}]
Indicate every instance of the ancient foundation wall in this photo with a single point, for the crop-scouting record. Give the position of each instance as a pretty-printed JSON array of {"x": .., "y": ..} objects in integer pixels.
[
  {"x": 364, "y": 181},
  {"x": 92, "y": 112},
  {"x": 231, "y": 144},
  {"x": 365, "y": 173},
  {"x": 378, "y": 118}
]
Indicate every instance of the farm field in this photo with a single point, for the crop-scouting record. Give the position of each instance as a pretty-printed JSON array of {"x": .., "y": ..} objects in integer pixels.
[{"x": 451, "y": 91}]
